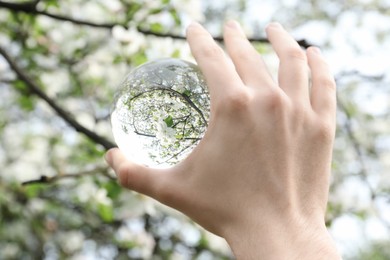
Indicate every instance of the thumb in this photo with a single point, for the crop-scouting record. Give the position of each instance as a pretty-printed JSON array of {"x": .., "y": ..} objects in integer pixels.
[{"x": 134, "y": 176}]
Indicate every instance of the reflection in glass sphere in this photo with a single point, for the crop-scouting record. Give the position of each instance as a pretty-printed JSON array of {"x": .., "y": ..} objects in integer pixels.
[{"x": 160, "y": 112}]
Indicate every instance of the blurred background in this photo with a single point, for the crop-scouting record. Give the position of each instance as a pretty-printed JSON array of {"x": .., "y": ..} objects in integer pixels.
[{"x": 60, "y": 64}]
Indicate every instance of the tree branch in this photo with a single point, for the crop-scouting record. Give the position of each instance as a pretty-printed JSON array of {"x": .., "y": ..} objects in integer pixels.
[
  {"x": 363, "y": 173},
  {"x": 47, "y": 179},
  {"x": 303, "y": 43},
  {"x": 36, "y": 90},
  {"x": 30, "y": 7},
  {"x": 23, "y": 7}
]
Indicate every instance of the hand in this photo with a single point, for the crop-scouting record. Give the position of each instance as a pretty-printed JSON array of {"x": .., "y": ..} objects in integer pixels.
[{"x": 260, "y": 176}]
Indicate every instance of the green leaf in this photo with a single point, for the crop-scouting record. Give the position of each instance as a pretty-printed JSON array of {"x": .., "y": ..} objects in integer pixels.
[
  {"x": 179, "y": 136},
  {"x": 176, "y": 54},
  {"x": 169, "y": 121},
  {"x": 261, "y": 48},
  {"x": 361, "y": 214},
  {"x": 203, "y": 242},
  {"x": 186, "y": 93},
  {"x": 139, "y": 58},
  {"x": 156, "y": 27},
  {"x": 52, "y": 3},
  {"x": 133, "y": 8},
  {"x": 33, "y": 190},
  {"x": 175, "y": 16},
  {"x": 117, "y": 59},
  {"x": 106, "y": 212},
  {"x": 113, "y": 189},
  {"x": 20, "y": 86},
  {"x": 156, "y": 10},
  {"x": 127, "y": 244},
  {"x": 351, "y": 109},
  {"x": 26, "y": 103}
]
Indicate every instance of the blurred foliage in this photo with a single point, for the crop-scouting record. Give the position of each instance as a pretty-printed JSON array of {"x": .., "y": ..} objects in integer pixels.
[
  {"x": 57, "y": 198},
  {"x": 375, "y": 251}
]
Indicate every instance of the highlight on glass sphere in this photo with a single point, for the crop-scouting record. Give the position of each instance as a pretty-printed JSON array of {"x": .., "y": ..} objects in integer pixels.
[{"x": 160, "y": 112}]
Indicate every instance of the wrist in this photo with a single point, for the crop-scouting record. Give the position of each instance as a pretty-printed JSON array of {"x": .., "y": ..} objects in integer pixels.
[{"x": 277, "y": 241}]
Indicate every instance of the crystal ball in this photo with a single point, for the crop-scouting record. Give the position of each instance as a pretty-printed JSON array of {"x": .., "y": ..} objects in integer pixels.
[{"x": 161, "y": 111}]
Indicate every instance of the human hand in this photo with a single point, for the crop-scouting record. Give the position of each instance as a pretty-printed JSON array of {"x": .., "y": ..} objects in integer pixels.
[{"x": 260, "y": 176}]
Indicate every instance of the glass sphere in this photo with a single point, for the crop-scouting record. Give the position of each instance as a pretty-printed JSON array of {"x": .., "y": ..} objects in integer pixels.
[{"x": 161, "y": 112}]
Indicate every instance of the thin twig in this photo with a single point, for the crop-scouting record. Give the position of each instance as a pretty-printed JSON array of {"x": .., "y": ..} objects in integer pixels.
[
  {"x": 30, "y": 7},
  {"x": 44, "y": 179},
  {"x": 356, "y": 146}
]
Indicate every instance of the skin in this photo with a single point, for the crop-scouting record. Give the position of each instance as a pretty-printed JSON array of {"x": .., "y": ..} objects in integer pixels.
[{"x": 260, "y": 176}]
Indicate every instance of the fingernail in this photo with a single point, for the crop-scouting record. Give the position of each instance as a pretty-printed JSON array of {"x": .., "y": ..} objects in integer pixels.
[
  {"x": 233, "y": 24},
  {"x": 275, "y": 25},
  {"x": 194, "y": 25},
  {"x": 107, "y": 157}
]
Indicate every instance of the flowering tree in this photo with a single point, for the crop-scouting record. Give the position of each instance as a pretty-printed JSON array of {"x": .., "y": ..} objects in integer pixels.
[{"x": 60, "y": 65}]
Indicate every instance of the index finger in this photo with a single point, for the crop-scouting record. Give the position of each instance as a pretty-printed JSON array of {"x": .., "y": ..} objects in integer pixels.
[{"x": 218, "y": 70}]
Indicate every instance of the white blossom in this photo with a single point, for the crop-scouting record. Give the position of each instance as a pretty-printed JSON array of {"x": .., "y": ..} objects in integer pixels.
[
  {"x": 145, "y": 241},
  {"x": 71, "y": 241},
  {"x": 165, "y": 134},
  {"x": 36, "y": 205},
  {"x": 101, "y": 197},
  {"x": 131, "y": 37},
  {"x": 9, "y": 250},
  {"x": 86, "y": 191}
]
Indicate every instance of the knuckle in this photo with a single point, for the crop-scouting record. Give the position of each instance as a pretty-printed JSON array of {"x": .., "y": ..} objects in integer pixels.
[
  {"x": 275, "y": 101},
  {"x": 237, "y": 101},
  {"x": 210, "y": 51},
  {"x": 302, "y": 110},
  {"x": 327, "y": 82},
  {"x": 299, "y": 109},
  {"x": 299, "y": 114},
  {"x": 295, "y": 53},
  {"x": 325, "y": 132}
]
